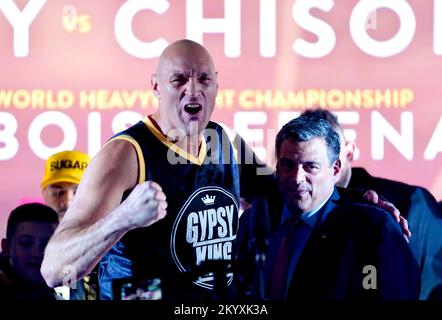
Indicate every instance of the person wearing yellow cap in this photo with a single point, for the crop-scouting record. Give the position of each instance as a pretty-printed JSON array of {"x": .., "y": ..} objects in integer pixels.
[{"x": 62, "y": 175}]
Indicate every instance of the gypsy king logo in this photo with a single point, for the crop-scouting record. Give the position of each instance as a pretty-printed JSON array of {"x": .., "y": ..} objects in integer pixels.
[{"x": 203, "y": 233}]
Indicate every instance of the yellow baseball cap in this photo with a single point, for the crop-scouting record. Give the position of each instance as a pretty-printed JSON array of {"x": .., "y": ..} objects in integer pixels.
[{"x": 65, "y": 166}]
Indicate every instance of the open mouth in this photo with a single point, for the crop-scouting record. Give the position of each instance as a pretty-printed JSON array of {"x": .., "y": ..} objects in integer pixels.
[{"x": 192, "y": 109}]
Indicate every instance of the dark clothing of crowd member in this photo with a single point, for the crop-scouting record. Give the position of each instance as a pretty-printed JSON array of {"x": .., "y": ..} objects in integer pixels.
[{"x": 419, "y": 207}]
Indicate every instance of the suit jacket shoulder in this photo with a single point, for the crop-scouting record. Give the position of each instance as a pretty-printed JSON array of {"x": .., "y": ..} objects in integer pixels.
[
  {"x": 354, "y": 238},
  {"x": 421, "y": 210}
]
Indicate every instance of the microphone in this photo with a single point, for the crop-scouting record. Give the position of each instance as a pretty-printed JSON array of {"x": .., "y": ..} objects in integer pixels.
[
  {"x": 259, "y": 224},
  {"x": 259, "y": 234}
]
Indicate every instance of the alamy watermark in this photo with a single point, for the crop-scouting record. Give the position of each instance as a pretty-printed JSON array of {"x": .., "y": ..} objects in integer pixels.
[
  {"x": 369, "y": 282},
  {"x": 221, "y": 149}
]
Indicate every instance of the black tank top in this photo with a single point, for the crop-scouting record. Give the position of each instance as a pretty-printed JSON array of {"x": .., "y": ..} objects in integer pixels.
[{"x": 191, "y": 249}]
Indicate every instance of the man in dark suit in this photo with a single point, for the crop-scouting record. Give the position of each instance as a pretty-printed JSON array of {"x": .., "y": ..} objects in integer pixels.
[
  {"x": 415, "y": 203},
  {"x": 419, "y": 207},
  {"x": 328, "y": 247}
]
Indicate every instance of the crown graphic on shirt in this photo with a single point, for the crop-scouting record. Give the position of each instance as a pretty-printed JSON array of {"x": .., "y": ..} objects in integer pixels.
[{"x": 208, "y": 200}]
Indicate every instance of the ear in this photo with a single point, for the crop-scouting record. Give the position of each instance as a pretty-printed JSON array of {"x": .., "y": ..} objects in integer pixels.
[
  {"x": 45, "y": 194},
  {"x": 337, "y": 170},
  {"x": 350, "y": 147},
  {"x": 216, "y": 79},
  {"x": 154, "y": 83},
  {"x": 5, "y": 247}
]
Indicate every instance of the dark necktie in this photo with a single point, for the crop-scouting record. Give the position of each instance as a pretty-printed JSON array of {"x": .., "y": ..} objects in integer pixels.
[{"x": 278, "y": 278}]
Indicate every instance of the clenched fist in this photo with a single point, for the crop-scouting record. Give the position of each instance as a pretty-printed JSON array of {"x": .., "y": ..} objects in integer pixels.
[{"x": 145, "y": 205}]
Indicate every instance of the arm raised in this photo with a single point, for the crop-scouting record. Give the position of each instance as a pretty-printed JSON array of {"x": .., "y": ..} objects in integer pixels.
[{"x": 96, "y": 220}]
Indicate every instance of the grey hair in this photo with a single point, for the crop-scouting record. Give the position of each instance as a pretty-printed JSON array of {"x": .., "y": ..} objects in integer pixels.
[{"x": 306, "y": 128}]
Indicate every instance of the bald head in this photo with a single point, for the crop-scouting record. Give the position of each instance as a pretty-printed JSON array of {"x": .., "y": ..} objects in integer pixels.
[{"x": 184, "y": 49}]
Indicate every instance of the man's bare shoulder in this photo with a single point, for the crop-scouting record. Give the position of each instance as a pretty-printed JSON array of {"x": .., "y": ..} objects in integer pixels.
[
  {"x": 118, "y": 148},
  {"x": 116, "y": 162},
  {"x": 116, "y": 153}
]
